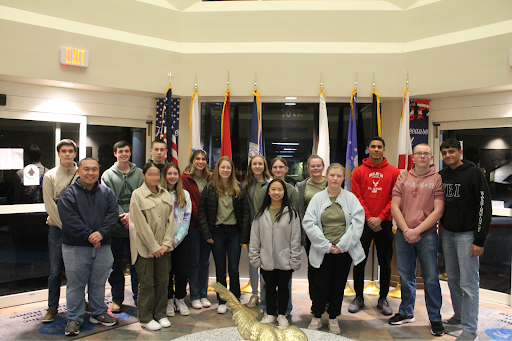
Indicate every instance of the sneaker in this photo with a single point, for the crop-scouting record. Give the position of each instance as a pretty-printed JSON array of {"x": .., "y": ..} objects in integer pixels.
[
  {"x": 51, "y": 314},
  {"x": 334, "y": 327},
  {"x": 164, "y": 322},
  {"x": 253, "y": 301},
  {"x": 87, "y": 308},
  {"x": 196, "y": 304},
  {"x": 105, "y": 319},
  {"x": 72, "y": 328},
  {"x": 205, "y": 303},
  {"x": 151, "y": 325},
  {"x": 451, "y": 321},
  {"x": 401, "y": 319},
  {"x": 467, "y": 336},
  {"x": 282, "y": 321},
  {"x": 116, "y": 307},
  {"x": 170, "y": 307},
  {"x": 222, "y": 309},
  {"x": 182, "y": 307},
  {"x": 315, "y": 324},
  {"x": 383, "y": 307},
  {"x": 268, "y": 318},
  {"x": 356, "y": 305},
  {"x": 436, "y": 328}
]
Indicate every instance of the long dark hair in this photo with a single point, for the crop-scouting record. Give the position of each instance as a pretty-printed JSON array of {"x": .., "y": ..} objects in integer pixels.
[{"x": 285, "y": 203}]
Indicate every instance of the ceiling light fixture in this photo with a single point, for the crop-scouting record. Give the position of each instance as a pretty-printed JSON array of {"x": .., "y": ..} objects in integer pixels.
[{"x": 67, "y": 85}]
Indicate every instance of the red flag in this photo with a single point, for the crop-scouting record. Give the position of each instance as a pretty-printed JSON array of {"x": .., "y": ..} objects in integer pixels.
[{"x": 225, "y": 134}]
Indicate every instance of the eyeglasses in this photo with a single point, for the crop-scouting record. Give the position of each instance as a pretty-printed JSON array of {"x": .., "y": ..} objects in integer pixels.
[
  {"x": 278, "y": 167},
  {"x": 422, "y": 154}
]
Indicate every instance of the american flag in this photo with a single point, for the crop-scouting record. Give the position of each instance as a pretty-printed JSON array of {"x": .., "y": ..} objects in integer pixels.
[{"x": 167, "y": 124}]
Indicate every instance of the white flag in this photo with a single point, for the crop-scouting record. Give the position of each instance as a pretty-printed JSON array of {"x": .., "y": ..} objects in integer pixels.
[
  {"x": 404, "y": 137},
  {"x": 195, "y": 124},
  {"x": 323, "y": 132}
]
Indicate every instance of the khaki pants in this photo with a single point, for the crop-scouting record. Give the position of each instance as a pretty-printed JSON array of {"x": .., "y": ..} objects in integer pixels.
[{"x": 153, "y": 276}]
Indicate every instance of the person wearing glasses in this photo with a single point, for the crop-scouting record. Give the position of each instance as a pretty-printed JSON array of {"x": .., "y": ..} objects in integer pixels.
[
  {"x": 417, "y": 205},
  {"x": 279, "y": 168}
]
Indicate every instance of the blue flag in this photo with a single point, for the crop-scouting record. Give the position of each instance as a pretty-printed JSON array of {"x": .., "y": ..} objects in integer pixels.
[
  {"x": 255, "y": 141},
  {"x": 351, "y": 158}
]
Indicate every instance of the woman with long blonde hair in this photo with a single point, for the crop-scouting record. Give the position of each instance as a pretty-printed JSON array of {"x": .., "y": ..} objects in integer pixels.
[{"x": 224, "y": 222}]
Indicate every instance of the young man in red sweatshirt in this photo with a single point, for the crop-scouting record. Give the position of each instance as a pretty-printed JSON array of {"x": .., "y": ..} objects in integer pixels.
[
  {"x": 373, "y": 183},
  {"x": 417, "y": 205}
]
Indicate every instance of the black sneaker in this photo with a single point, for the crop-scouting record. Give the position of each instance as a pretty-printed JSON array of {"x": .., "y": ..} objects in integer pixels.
[
  {"x": 356, "y": 305},
  {"x": 436, "y": 328},
  {"x": 72, "y": 328},
  {"x": 383, "y": 307},
  {"x": 105, "y": 319},
  {"x": 401, "y": 319}
]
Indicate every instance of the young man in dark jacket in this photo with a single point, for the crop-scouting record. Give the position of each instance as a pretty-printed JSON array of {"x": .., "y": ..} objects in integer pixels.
[
  {"x": 465, "y": 222},
  {"x": 89, "y": 212}
]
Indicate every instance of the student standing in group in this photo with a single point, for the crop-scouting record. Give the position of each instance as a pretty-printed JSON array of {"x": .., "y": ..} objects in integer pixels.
[
  {"x": 257, "y": 177},
  {"x": 224, "y": 221},
  {"x": 279, "y": 168},
  {"x": 465, "y": 222},
  {"x": 89, "y": 212},
  {"x": 151, "y": 236},
  {"x": 373, "y": 183},
  {"x": 122, "y": 178},
  {"x": 275, "y": 247},
  {"x": 158, "y": 153},
  {"x": 195, "y": 177},
  {"x": 54, "y": 182},
  {"x": 334, "y": 223},
  {"x": 178, "y": 276},
  {"x": 417, "y": 205}
]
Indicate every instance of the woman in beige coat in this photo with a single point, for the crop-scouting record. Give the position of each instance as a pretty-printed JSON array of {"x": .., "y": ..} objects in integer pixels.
[{"x": 151, "y": 235}]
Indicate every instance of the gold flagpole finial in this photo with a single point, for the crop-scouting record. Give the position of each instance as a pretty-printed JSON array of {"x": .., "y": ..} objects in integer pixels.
[
  {"x": 321, "y": 81},
  {"x": 355, "y": 83},
  {"x": 407, "y": 81},
  {"x": 374, "y": 81},
  {"x": 255, "y": 83},
  {"x": 170, "y": 78},
  {"x": 195, "y": 82},
  {"x": 228, "y": 79}
]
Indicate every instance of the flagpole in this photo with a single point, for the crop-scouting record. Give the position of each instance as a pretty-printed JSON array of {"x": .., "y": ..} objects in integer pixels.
[{"x": 228, "y": 80}]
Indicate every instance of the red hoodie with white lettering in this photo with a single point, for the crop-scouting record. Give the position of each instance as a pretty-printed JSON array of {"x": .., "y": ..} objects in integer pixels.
[{"x": 373, "y": 186}]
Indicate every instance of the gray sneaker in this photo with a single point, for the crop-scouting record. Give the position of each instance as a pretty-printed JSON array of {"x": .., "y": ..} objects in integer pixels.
[
  {"x": 452, "y": 321},
  {"x": 105, "y": 319},
  {"x": 72, "y": 328},
  {"x": 383, "y": 307},
  {"x": 356, "y": 305}
]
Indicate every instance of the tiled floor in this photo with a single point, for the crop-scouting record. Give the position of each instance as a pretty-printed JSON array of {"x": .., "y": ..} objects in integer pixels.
[{"x": 367, "y": 324}]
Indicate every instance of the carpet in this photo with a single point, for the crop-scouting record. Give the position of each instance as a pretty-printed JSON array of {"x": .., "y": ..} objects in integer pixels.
[
  {"x": 27, "y": 325},
  {"x": 493, "y": 324}
]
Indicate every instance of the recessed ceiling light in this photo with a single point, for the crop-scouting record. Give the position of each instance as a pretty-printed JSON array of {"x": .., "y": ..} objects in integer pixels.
[
  {"x": 290, "y": 104},
  {"x": 290, "y": 97},
  {"x": 67, "y": 85}
]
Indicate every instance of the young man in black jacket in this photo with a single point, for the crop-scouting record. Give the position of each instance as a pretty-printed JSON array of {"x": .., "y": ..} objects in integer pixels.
[{"x": 466, "y": 220}]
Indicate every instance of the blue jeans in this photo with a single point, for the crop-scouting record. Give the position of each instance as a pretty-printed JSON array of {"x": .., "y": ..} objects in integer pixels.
[
  {"x": 426, "y": 252},
  {"x": 86, "y": 265},
  {"x": 263, "y": 296},
  {"x": 254, "y": 276},
  {"x": 56, "y": 266},
  {"x": 463, "y": 277},
  {"x": 226, "y": 243},
  {"x": 199, "y": 264},
  {"x": 120, "y": 247}
]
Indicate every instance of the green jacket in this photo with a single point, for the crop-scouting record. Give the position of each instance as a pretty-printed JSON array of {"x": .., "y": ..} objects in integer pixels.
[{"x": 123, "y": 186}]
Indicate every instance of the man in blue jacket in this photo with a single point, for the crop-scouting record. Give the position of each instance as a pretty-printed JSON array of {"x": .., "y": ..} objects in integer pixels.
[{"x": 88, "y": 212}]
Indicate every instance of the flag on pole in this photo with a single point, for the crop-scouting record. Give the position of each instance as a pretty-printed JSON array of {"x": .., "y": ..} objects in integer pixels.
[
  {"x": 404, "y": 137},
  {"x": 195, "y": 123},
  {"x": 376, "y": 115},
  {"x": 351, "y": 157},
  {"x": 167, "y": 124},
  {"x": 255, "y": 141},
  {"x": 323, "y": 132},
  {"x": 225, "y": 134}
]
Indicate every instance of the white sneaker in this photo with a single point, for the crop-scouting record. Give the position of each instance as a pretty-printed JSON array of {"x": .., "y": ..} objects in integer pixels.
[
  {"x": 315, "y": 323},
  {"x": 151, "y": 325},
  {"x": 222, "y": 309},
  {"x": 282, "y": 321},
  {"x": 182, "y": 307},
  {"x": 196, "y": 304},
  {"x": 164, "y": 322},
  {"x": 268, "y": 318},
  {"x": 205, "y": 303},
  {"x": 170, "y": 308},
  {"x": 334, "y": 326}
]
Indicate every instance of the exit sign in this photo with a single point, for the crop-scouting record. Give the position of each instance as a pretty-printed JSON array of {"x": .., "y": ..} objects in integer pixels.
[{"x": 73, "y": 56}]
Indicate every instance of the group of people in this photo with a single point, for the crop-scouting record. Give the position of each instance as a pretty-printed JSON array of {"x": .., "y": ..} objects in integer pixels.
[{"x": 168, "y": 222}]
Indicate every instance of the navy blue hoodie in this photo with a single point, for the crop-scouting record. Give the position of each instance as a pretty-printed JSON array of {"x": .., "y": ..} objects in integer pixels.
[{"x": 83, "y": 212}]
